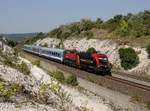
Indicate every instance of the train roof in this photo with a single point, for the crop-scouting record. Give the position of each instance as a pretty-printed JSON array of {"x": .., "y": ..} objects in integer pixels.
[
  {"x": 46, "y": 48},
  {"x": 53, "y": 49}
]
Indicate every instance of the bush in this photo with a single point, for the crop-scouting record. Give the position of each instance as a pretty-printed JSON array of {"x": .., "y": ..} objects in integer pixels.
[
  {"x": 7, "y": 91},
  {"x": 23, "y": 68},
  {"x": 148, "y": 105},
  {"x": 36, "y": 62},
  {"x": 91, "y": 50},
  {"x": 87, "y": 24},
  {"x": 8, "y": 62},
  {"x": 12, "y": 43},
  {"x": 123, "y": 28},
  {"x": 88, "y": 34},
  {"x": 16, "y": 51},
  {"x": 148, "y": 50},
  {"x": 45, "y": 45},
  {"x": 129, "y": 58},
  {"x": 72, "y": 79},
  {"x": 59, "y": 76}
]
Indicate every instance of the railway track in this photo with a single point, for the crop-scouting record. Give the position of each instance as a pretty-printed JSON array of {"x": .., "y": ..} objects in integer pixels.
[
  {"x": 147, "y": 88},
  {"x": 124, "y": 86}
]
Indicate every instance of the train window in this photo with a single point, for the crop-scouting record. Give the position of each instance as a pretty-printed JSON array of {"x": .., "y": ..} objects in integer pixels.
[{"x": 58, "y": 55}]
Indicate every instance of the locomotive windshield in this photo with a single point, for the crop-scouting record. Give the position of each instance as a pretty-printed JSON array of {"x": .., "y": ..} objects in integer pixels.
[{"x": 103, "y": 61}]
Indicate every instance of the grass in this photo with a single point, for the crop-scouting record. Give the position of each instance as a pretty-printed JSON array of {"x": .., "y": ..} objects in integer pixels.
[
  {"x": 37, "y": 63},
  {"x": 136, "y": 98},
  {"x": 148, "y": 105},
  {"x": 72, "y": 80},
  {"x": 85, "y": 109},
  {"x": 58, "y": 75},
  {"x": 23, "y": 68},
  {"x": 142, "y": 41},
  {"x": 90, "y": 79},
  {"x": 8, "y": 91}
]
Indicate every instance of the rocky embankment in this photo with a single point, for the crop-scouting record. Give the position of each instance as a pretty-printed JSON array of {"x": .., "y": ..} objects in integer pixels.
[{"x": 108, "y": 47}]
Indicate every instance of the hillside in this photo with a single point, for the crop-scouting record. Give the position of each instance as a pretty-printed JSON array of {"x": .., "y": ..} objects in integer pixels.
[
  {"x": 132, "y": 29},
  {"x": 129, "y": 32},
  {"x": 26, "y": 86}
]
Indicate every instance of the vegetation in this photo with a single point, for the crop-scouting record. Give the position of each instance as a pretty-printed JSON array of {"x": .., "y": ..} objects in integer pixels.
[
  {"x": 43, "y": 88},
  {"x": 148, "y": 105},
  {"x": 136, "y": 98},
  {"x": 8, "y": 91},
  {"x": 58, "y": 75},
  {"x": 72, "y": 80},
  {"x": 12, "y": 43},
  {"x": 130, "y": 26},
  {"x": 129, "y": 58},
  {"x": 45, "y": 45},
  {"x": 23, "y": 68},
  {"x": 34, "y": 39},
  {"x": 11, "y": 60},
  {"x": 85, "y": 109},
  {"x": 8, "y": 62},
  {"x": 91, "y": 50},
  {"x": 148, "y": 50},
  {"x": 88, "y": 34},
  {"x": 36, "y": 62},
  {"x": 16, "y": 51}
]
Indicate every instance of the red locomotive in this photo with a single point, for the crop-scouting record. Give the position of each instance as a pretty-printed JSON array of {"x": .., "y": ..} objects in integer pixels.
[{"x": 95, "y": 62}]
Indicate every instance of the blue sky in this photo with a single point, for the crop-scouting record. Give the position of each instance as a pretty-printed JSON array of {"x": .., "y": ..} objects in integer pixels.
[{"x": 21, "y": 16}]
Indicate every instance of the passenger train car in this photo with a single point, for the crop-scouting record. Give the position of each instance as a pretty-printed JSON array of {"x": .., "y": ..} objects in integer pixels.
[
  {"x": 51, "y": 53},
  {"x": 96, "y": 62}
]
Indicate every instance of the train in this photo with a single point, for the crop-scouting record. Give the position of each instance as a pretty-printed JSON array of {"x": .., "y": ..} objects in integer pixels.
[{"x": 97, "y": 63}]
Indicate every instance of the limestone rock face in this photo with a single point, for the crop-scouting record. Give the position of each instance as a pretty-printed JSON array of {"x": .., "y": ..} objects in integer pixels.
[{"x": 108, "y": 47}]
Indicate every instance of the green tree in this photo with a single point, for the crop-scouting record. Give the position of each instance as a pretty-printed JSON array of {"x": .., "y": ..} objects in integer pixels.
[
  {"x": 91, "y": 50},
  {"x": 40, "y": 34},
  {"x": 87, "y": 24},
  {"x": 88, "y": 34},
  {"x": 146, "y": 21},
  {"x": 98, "y": 22},
  {"x": 123, "y": 28},
  {"x": 74, "y": 28},
  {"x": 129, "y": 58},
  {"x": 112, "y": 23}
]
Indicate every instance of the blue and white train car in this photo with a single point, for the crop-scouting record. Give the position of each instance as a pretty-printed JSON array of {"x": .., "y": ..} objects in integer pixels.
[
  {"x": 51, "y": 53},
  {"x": 32, "y": 49}
]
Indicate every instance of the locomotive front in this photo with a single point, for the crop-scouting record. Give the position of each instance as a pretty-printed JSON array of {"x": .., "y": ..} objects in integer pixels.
[{"x": 102, "y": 63}]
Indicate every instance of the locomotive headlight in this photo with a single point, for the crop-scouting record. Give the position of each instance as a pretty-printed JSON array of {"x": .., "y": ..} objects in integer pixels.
[{"x": 105, "y": 59}]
